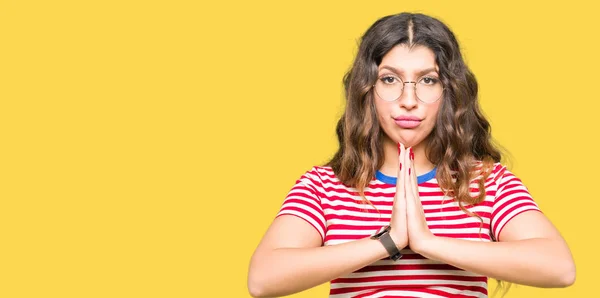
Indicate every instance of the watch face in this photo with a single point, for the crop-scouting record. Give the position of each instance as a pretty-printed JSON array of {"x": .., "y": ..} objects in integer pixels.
[
  {"x": 385, "y": 229},
  {"x": 380, "y": 232}
]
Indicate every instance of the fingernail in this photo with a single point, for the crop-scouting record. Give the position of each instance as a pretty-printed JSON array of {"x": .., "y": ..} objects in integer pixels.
[
  {"x": 412, "y": 155},
  {"x": 400, "y": 166},
  {"x": 408, "y": 171},
  {"x": 398, "y": 148}
]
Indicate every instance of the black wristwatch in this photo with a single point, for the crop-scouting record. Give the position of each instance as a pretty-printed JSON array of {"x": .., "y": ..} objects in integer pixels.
[{"x": 383, "y": 235}]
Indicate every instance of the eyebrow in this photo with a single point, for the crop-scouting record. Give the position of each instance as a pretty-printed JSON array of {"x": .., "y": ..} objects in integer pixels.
[{"x": 419, "y": 73}]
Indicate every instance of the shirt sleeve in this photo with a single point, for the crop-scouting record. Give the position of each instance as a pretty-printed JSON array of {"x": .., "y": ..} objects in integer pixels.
[
  {"x": 512, "y": 198},
  {"x": 304, "y": 201}
]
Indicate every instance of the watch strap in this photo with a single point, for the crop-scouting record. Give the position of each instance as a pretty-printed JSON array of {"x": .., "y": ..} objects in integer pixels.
[{"x": 390, "y": 246}]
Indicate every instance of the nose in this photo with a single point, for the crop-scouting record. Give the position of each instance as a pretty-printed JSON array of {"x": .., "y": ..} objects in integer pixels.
[{"x": 408, "y": 98}]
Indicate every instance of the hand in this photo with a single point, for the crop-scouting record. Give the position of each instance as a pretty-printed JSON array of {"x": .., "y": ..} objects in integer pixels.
[
  {"x": 418, "y": 231},
  {"x": 398, "y": 222}
]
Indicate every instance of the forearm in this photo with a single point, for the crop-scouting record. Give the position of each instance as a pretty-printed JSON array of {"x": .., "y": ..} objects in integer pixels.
[
  {"x": 285, "y": 271},
  {"x": 534, "y": 262}
]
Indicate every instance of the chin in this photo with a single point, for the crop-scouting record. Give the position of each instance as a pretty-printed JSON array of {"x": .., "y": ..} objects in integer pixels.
[
  {"x": 408, "y": 141},
  {"x": 409, "y": 138}
]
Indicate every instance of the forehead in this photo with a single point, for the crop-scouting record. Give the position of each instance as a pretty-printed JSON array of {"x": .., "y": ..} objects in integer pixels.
[{"x": 409, "y": 60}]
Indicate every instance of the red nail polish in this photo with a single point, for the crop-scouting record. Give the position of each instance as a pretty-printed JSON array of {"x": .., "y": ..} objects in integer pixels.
[
  {"x": 412, "y": 155},
  {"x": 400, "y": 166},
  {"x": 408, "y": 171},
  {"x": 398, "y": 148}
]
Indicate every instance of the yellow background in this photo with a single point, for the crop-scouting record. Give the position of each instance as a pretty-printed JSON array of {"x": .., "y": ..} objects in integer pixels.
[{"x": 147, "y": 145}]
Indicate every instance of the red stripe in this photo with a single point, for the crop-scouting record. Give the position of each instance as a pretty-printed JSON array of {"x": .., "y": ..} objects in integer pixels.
[
  {"x": 333, "y": 227},
  {"x": 444, "y": 267},
  {"x": 408, "y": 288},
  {"x": 444, "y": 209},
  {"x": 332, "y": 217},
  {"x": 497, "y": 234},
  {"x": 345, "y": 237},
  {"x": 502, "y": 208},
  {"x": 293, "y": 197},
  {"x": 458, "y": 216},
  {"x": 305, "y": 187},
  {"x": 509, "y": 180},
  {"x": 505, "y": 193},
  {"x": 363, "y": 208},
  {"x": 382, "y": 278},
  {"x": 357, "y": 200},
  {"x": 496, "y": 219},
  {"x": 306, "y": 213},
  {"x": 460, "y": 226},
  {"x": 464, "y": 235}
]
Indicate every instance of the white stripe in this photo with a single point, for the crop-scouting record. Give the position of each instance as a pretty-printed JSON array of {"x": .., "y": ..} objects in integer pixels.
[
  {"x": 355, "y": 204},
  {"x": 384, "y": 220},
  {"x": 412, "y": 282},
  {"x": 294, "y": 194},
  {"x": 310, "y": 210},
  {"x": 345, "y": 195},
  {"x": 371, "y": 214},
  {"x": 455, "y": 213},
  {"x": 385, "y": 293},
  {"x": 457, "y": 272},
  {"x": 420, "y": 294},
  {"x": 453, "y": 231},
  {"x": 462, "y": 292},
  {"x": 460, "y": 221}
]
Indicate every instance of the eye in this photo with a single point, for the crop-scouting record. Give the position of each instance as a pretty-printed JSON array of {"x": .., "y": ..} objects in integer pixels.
[
  {"x": 389, "y": 79},
  {"x": 429, "y": 81}
]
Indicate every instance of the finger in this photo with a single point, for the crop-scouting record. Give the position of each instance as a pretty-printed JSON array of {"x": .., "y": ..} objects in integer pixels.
[
  {"x": 409, "y": 172},
  {"x": 398, "y": 220},
  {"x": 414, "y": 178},
  {"x": 412, "y": 187},
  {"x": 400, "y": 193},
  {"x": 413, "y": 201}
]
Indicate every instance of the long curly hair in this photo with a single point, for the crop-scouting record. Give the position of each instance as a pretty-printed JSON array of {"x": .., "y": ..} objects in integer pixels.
[
  {"x": 461, "y": 135},
  {"x": 460, "y": 144}
]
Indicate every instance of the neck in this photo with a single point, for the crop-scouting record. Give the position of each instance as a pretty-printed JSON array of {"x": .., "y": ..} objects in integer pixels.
[{"x": 390, "y": 166}]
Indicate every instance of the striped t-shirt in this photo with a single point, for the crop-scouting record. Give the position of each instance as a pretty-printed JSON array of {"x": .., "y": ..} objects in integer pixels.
[{"x": 337, "y": 214}]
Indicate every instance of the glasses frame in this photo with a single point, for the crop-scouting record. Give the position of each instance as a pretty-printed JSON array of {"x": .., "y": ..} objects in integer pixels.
[{"x": 414, "y": 88}]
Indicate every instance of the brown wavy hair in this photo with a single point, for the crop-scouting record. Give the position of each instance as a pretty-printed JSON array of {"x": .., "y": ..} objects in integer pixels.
[
  {"x": 461, "y": 134},
  {"x": 461, "y": 137}
]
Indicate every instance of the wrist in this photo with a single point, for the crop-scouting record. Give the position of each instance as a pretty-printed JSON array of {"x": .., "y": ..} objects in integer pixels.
[
  {"x": 385, "y": 238},
  {"x": 425, "y": 245},
  {"x": 400, "y": 243}
]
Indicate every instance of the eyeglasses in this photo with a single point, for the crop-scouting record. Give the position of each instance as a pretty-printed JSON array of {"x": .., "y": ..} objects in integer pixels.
[{"x": 428, "y": 89}]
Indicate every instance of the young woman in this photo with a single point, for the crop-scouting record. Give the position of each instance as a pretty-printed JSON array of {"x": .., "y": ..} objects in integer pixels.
[{"x": 415, "y": 203}]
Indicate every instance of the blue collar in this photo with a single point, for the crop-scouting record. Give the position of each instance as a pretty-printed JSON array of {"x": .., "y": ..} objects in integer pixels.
[{"x": 392, "y": 180}]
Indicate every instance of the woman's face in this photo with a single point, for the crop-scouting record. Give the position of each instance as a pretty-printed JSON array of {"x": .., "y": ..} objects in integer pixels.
[{"x": 407, "y": 120}]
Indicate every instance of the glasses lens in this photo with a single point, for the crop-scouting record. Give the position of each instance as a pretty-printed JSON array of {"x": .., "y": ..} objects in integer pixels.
[
  {"x": 389, "y": 88},
  {"x": 429, "y": 89}
]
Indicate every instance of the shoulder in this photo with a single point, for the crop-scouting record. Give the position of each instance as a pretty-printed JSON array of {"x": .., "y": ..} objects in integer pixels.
[
  {"x": 317, "y": 175},
  {"x": 493, "y": 172},
  {"x": 497, "y": 170},
  {"x": 320, "y": 172},
  {"x": 323, "y": 170}
]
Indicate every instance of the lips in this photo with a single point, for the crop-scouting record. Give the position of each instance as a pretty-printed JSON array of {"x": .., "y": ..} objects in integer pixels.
[{"x": 407, "y": 122}]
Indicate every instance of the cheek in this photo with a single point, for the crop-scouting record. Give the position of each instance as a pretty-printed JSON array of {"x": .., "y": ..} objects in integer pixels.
[
  {"x": 434, "y": 111},
  {"x": 381, "y": 112}
]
